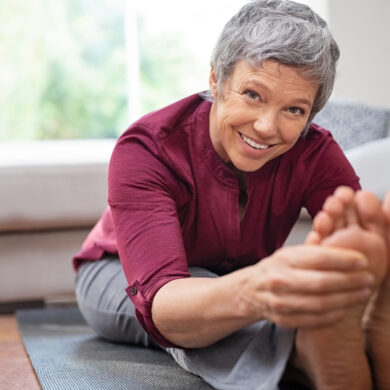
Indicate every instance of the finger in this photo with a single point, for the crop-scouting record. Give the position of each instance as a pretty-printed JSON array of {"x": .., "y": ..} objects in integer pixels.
[
  {"x": 319, "y": 282},
  {"x": 295, "y": 304},
  {"x": 308, "y": 320},
  {"x": 322, "y": 258}
]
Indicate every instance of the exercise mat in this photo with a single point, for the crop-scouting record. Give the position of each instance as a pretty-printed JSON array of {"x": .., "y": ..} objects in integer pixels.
[{"x": 67, "y": 355}]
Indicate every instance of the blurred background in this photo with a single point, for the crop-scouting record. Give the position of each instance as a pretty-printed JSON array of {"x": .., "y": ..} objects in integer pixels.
[{"x": 88, "y": 68}]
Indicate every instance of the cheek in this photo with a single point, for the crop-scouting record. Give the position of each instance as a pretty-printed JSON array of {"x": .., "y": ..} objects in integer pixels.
[
  {"x": 243, "y": 117},
  {"x": 227, "y": 120},
  {"x": 223, "y": 124},
  {"x": 292, "y": 131}
]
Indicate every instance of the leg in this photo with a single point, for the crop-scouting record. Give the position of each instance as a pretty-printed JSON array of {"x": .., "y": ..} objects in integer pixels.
[
  {"x": 253, "y": 358},
  {"x": 377, "y": 324},
  {"x": 102, "y": 299},
  {"x": 105, "y": 305},
  {"x": 334, "y": 357}
]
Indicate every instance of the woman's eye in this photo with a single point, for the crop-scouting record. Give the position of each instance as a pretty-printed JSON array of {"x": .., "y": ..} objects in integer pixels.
[
  {"x": 252, "y": 94},
  {"x": 296, "y": 111}
]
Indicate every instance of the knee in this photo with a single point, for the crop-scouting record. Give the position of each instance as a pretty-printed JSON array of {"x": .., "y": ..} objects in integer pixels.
[{"x": 114, "y": 325}]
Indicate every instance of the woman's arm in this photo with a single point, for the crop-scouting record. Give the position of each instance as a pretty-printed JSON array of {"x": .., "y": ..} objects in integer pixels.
[{"x": 295, "y": 287}]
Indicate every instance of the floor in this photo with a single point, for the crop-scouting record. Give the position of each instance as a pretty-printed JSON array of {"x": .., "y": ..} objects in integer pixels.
[{"x": 16, "y": 371}]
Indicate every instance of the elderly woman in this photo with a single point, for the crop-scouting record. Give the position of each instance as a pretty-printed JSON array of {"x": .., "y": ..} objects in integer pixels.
[{"x": 204, "y": 192}]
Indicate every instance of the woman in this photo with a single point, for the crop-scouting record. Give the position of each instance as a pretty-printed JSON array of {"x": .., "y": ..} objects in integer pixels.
[{"x": 203, "y": 193}]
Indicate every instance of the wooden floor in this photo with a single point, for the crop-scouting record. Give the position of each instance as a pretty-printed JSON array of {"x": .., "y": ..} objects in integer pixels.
[{"x": 16, "y": 372}]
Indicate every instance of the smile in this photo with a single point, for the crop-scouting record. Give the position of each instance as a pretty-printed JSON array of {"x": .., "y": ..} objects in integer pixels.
[{"x": 252, "y": 143}]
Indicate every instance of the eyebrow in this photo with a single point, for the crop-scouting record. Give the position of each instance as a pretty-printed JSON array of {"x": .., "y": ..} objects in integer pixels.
[
  {"x": 297, "y": 101},
  {"x": 304, "y": 101}
]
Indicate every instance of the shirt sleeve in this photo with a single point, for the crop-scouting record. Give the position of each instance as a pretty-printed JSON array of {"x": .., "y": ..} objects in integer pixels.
[
  {"x": 142, "y": 193},
  {"x": 326, "y": 168}
]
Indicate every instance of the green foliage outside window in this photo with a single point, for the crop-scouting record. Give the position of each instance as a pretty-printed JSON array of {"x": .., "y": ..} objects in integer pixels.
[
  {"x": 63, "y": 71},
  {"x": 164, "y": 68}
]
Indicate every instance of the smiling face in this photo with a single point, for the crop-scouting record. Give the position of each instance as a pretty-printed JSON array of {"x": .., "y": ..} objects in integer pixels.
[{"x": 261, "y": 114}]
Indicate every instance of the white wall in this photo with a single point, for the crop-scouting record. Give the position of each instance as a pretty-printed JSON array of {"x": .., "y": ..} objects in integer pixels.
[
  {"x": 319, "y": 6},
  {"x": 362, "y": 30}
]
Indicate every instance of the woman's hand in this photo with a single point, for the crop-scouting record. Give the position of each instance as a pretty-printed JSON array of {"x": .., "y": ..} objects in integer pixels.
[
  {"x": 306, "y": 286},
  {"x": 295, "y": 287}
]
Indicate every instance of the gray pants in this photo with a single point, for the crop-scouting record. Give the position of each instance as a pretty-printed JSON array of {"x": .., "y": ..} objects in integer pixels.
[{"x": 253, "y": 358}]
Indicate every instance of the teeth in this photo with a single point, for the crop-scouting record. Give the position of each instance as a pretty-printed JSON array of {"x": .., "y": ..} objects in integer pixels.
[{"x": 252, "y": 143}]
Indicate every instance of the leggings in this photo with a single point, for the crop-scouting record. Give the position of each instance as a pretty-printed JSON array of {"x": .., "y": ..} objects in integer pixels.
[{"x": 253, "y": 358}]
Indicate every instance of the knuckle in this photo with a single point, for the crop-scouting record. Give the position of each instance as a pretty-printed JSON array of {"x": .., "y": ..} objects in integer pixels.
[
  {"x": 275, "y": 283},
  {"x": 279, "y": 305},
  {"x": 332, "y": 318},
  {"x": 322, "y": 305},
  {"x": 280, "y": 320},
  {"x": 319, "y": 282},
  {"x": 284, "y": 255}
]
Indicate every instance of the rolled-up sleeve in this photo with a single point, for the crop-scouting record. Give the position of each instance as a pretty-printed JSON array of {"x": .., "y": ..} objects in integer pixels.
[{"x": 143, "y": 200}]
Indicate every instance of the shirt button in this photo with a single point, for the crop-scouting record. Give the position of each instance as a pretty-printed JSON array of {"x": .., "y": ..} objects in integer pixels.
[{"x": 133, "y": 291}]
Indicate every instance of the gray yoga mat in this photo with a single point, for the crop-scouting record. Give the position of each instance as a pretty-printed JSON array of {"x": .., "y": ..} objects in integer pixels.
[{"x": 67, "y": 355}]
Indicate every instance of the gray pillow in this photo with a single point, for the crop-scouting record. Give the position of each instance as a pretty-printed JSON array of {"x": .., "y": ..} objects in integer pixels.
[{"x": 353, "y": 124}]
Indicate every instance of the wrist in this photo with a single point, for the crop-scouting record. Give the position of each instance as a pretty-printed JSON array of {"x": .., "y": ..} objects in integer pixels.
[{"x": 248, "y": 304}]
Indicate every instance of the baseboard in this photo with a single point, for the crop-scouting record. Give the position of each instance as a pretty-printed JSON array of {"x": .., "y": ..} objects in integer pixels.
[{"x": 12, "y": 307}]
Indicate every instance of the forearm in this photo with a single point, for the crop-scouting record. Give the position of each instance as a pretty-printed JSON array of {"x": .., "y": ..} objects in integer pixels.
[
  {"x": 295, "y": 287},
  {"x": 197, "y": 312}
]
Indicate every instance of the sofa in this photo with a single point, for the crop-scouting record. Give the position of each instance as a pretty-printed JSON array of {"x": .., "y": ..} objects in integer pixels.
[{"x": 53, "y": 192}]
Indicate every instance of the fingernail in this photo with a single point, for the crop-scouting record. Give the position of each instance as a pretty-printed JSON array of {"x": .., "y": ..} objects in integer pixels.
[
  {"x": 365, "y": 293},
  {"x": 369, "y": 280},
  {"x": 361, "y": 261}
]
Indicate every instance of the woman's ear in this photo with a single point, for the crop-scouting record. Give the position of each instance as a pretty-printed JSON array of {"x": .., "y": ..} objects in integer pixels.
[{"x": 213, "y": 84}]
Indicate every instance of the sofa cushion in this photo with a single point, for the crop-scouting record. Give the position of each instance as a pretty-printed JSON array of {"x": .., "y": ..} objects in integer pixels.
[
  {"x": 53, "y": 184},
  {"x": 353, "y": 124},
  {"x": 36, "y": 265}
]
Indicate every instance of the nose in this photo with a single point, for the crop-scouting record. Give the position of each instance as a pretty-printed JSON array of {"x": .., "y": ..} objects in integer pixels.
[{"x": 266, "y": 122}]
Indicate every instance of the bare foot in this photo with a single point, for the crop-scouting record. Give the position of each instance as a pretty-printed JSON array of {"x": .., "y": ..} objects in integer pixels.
[
  {"x": 334, "y": 357},
  {"x": 378, "y": 314}
]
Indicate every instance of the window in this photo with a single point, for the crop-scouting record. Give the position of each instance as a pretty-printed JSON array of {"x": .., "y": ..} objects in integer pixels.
[
  {"x": 87, "y": 69},
  {"x": 62, "y": 70},
  {"x": 176, "y": 39}
]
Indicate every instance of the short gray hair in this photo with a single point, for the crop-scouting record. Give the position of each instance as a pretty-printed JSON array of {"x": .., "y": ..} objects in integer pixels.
[{"x": 282, "y": 30}]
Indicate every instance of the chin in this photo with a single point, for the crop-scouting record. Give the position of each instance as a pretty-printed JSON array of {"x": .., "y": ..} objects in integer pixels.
[{"x": 246, "y": 167}]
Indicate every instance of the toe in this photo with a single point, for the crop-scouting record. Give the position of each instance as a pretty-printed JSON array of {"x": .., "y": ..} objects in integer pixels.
[
  {"x": 323, "y": 224},
  {"x": 386, "y": 208},
  {"x": 313, "y": 238},
  {"x": 370, "y": 212},
  {"x": 346, "y": 195},
  {"x": 336, "y": 211}
]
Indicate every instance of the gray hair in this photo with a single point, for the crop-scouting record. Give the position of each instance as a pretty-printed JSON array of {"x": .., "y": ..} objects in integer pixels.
[{"x": 282, "y": 30}]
